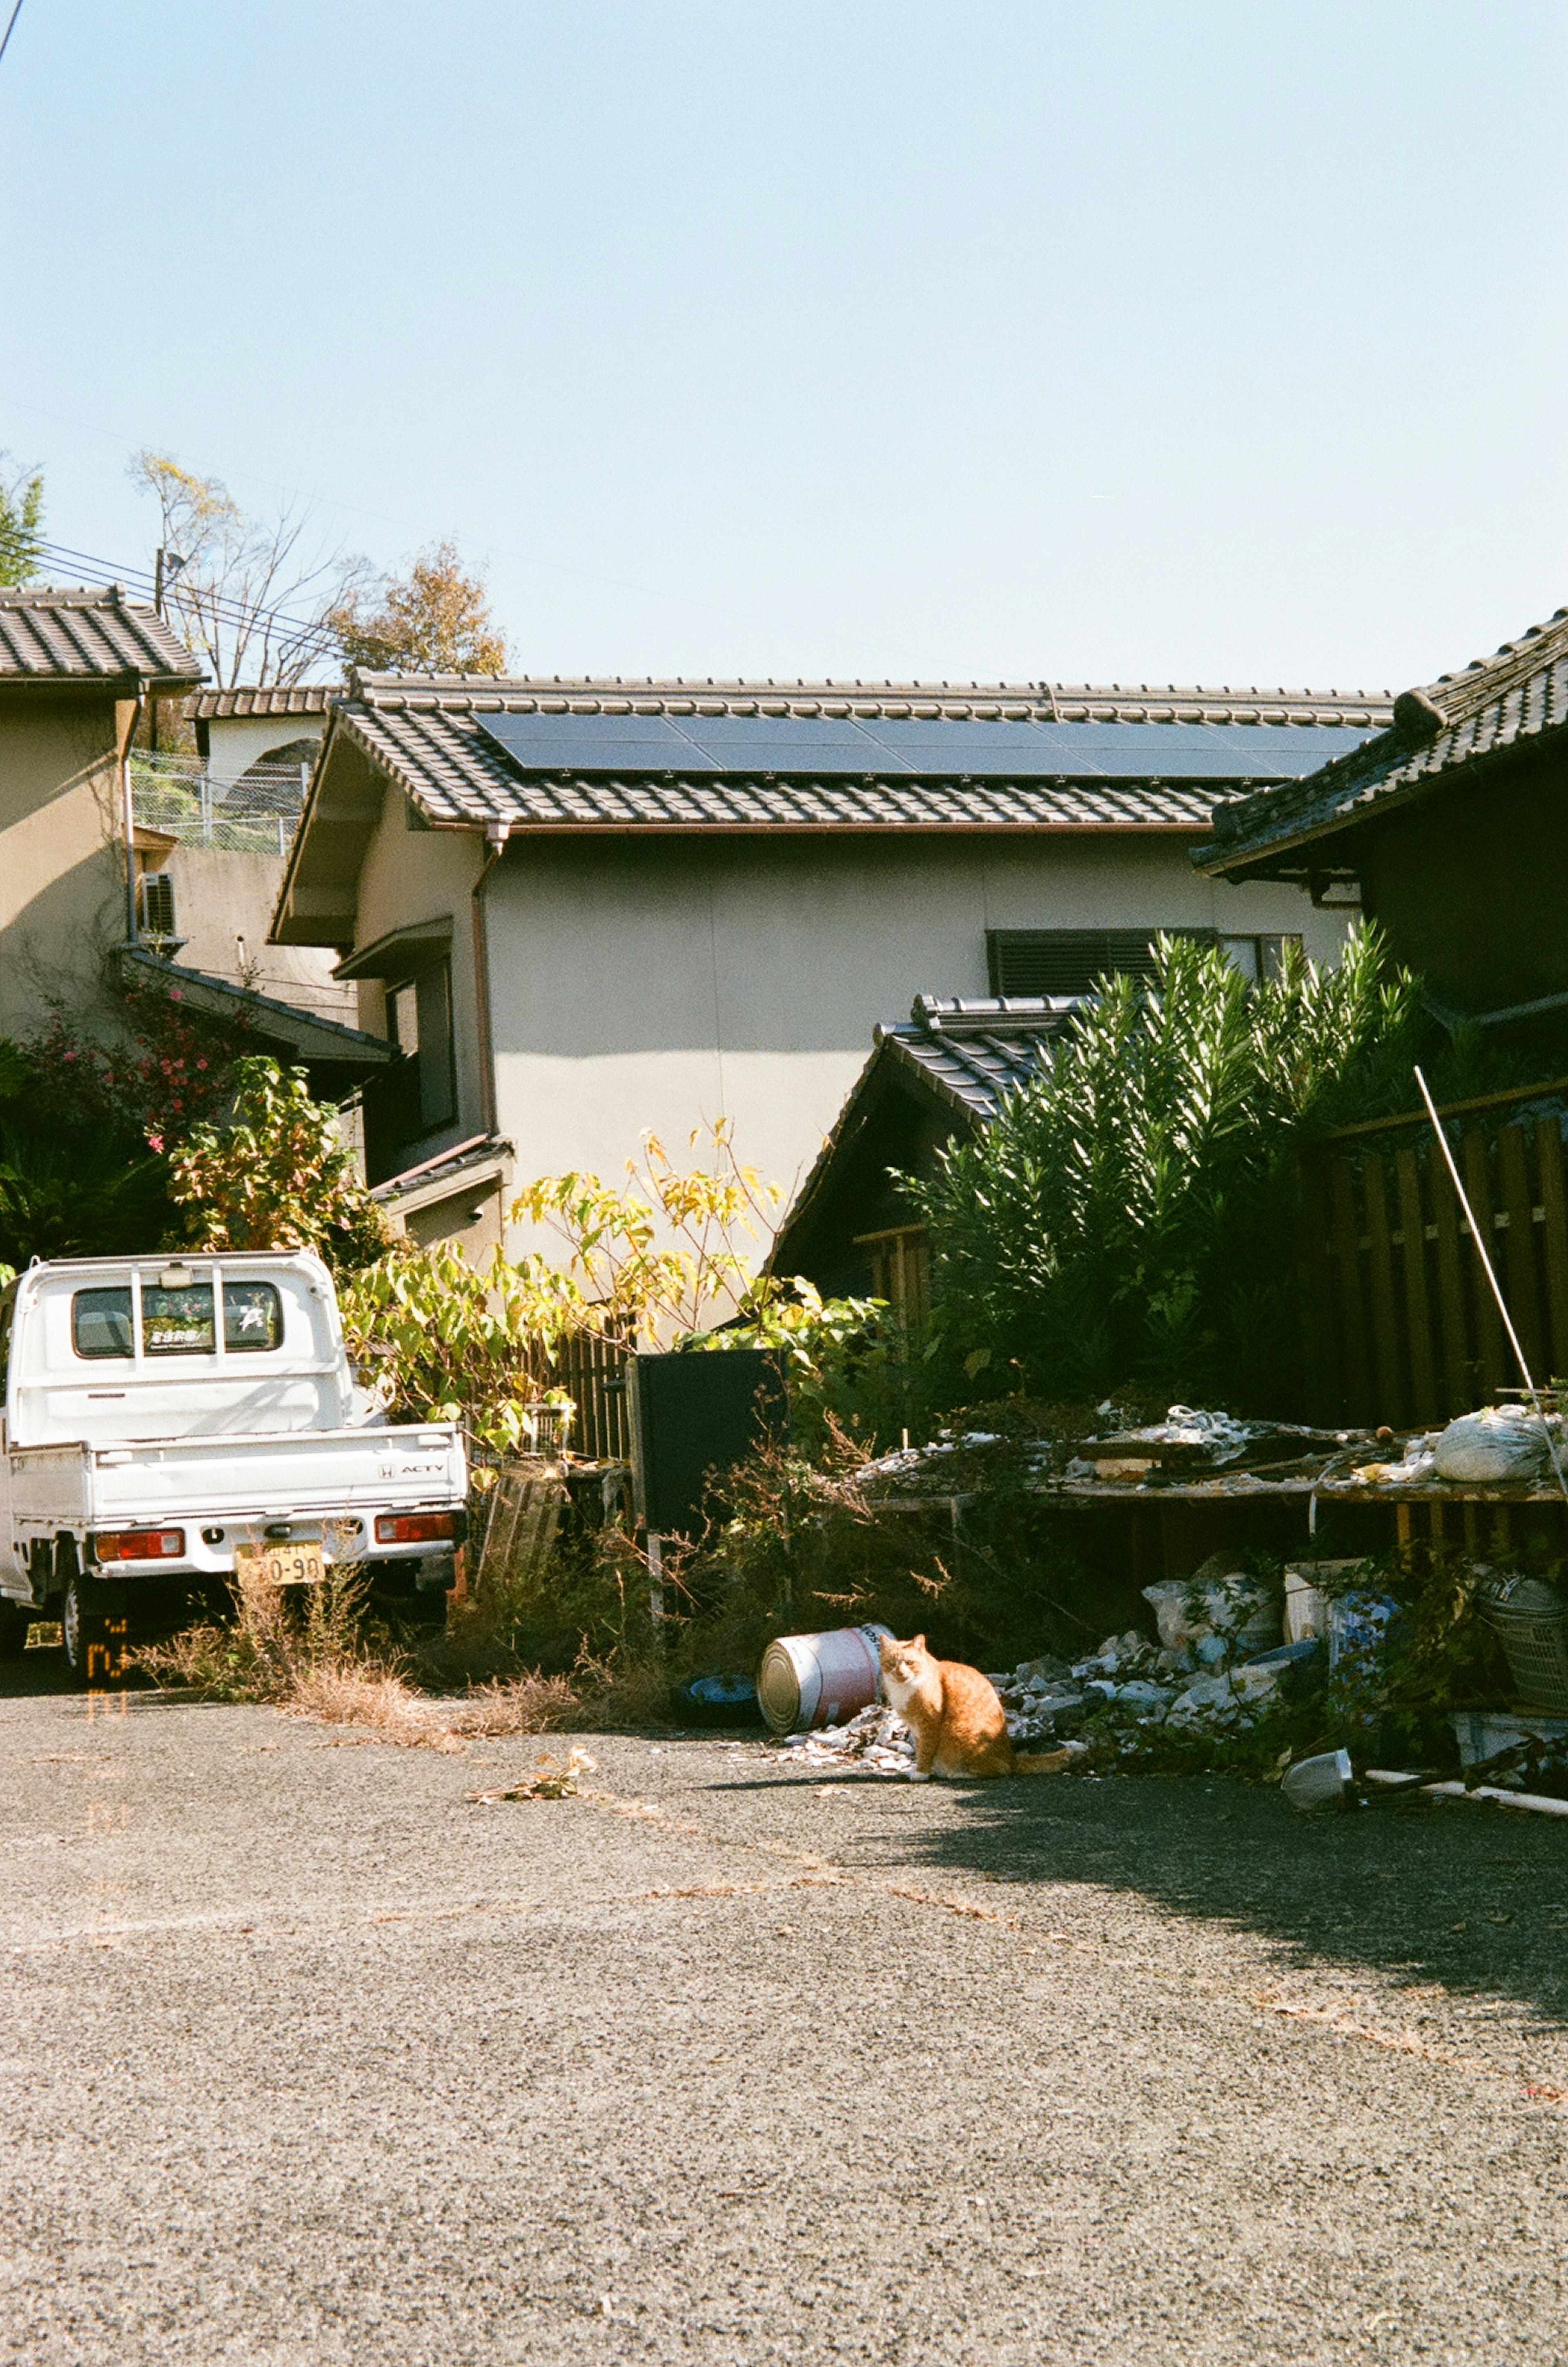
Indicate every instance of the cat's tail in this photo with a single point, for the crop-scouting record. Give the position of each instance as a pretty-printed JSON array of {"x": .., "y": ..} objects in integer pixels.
[{"x": 1043, "y": 1762}]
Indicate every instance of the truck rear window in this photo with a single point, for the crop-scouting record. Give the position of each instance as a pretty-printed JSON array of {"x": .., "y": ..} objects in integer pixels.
[
  {"x": 253, "y": 1316},
  {"x": 177, "y": 1323},
  {"x": 100, "y": 1323}
]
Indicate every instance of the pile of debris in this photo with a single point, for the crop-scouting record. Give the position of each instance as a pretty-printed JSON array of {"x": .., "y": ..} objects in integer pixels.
[
  {"x": 1215, "y": 1670},
  {"x": 875, "y": 1738}
]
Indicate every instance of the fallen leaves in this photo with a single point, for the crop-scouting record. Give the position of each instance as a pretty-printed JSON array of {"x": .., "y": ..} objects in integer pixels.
[{"x": 547, "y": 1779}]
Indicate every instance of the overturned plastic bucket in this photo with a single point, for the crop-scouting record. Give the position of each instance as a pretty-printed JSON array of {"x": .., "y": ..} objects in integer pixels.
[{"x": 809, "y": 1680}]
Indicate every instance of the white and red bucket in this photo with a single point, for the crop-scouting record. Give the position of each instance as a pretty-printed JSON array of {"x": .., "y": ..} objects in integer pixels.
[{"x": 813, "y": 1680}]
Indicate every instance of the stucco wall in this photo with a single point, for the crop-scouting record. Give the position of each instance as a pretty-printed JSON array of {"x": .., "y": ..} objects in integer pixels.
[
  {"x": 236, "y": 742},
  {"x": 666, "y": 984},
  {"x": 222, "y": 894},
  {"x": 62, "y": 865},
  {"x": 411, "y": 875}
]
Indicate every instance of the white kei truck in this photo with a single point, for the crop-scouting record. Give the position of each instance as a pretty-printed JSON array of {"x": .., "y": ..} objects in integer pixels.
[{"x": 173, "y": 1421}]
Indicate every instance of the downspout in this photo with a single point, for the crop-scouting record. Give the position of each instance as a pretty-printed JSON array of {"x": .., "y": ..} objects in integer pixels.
[
  {"x": 496, "y": 836},
  {"x": 127, "y": 816}
]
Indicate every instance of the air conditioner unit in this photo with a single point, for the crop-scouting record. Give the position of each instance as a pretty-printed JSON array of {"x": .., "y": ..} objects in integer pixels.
[{"x": 155, "y": 904}]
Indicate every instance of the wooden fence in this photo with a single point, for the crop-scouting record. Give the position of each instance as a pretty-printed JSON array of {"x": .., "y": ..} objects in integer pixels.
[
  {"x": 1399, "y": 1325},
  {"x": 592, "y": 1371}
]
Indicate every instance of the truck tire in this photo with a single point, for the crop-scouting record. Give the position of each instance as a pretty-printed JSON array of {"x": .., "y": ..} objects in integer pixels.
[
  {"x": 95, "y": 1645},
  {"x": 14, "y": 1621}
]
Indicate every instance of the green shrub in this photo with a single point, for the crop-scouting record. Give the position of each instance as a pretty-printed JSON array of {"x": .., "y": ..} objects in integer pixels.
[{"x": 1129, "y": 1217}]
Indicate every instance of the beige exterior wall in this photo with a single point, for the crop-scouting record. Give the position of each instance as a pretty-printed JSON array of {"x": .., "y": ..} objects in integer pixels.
[
  {"x": 666, "y": 984},
  {"x": 222, "y": 894},
  {"x": 61, "y": 858},
  {"x": 410, "y": 875}
]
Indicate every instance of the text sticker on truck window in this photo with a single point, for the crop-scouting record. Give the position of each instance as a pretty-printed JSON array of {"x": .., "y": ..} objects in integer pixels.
[
  {"x": 177, "y": 1323},
  {"x": 253, "y": 1316},
  {"x": 100, "y": 1323}
]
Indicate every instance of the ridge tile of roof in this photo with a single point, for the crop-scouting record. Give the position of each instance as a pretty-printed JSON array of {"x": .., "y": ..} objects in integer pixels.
[
  {"x": 275, "y": 698},
  {"x": 1491, "y": 707},
  {"x": 54, "y": 634},
  {"x": 1022, "y": 702}
]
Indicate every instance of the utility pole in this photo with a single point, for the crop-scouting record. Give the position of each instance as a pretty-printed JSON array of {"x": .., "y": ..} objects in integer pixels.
[{"x": 158, "y": 612}]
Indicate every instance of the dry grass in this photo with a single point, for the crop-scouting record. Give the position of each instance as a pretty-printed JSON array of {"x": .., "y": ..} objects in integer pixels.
[{"x": 310, "y": 1658}]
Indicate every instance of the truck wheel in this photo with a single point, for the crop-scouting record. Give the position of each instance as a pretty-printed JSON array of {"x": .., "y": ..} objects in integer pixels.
[
  {"x": 14, "y": 1621},
  {"x": 94, "y": 1647}
]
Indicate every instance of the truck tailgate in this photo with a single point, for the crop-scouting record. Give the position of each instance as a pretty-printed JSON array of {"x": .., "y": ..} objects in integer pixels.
[{"x": 291, "y": 1473}]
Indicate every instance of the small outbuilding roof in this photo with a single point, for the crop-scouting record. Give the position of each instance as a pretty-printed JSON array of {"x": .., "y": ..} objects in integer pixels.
[
  {"x": 971, "y": 1053},
  {"x": 275, "y": 698},
  {"x": 1493, "y": 710},
  {"x": 322, "y": 1043},
  {"x": 54, "y": 635},
  {"x": 946, "y": 1070}
]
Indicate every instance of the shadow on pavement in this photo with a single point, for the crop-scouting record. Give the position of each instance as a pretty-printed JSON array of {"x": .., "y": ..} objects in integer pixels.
[
  {"x": 43, "y": 1670},
  {"x": 1471, "y": 1896},
  {"x": 1453, "y": 1891}
]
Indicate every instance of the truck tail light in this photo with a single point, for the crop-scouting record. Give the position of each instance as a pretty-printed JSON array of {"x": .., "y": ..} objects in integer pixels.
[
  {"x": 415, "y": 1528},
  {"x": 139, "y": 1544}
]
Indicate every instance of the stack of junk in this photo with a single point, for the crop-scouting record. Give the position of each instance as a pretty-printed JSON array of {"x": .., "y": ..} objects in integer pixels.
[{"x": 1226, "y": 1645}]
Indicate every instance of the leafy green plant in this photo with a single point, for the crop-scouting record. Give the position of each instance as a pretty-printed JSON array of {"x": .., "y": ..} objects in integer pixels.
[
  {"x": 451, "y": 1341},
  {"x": 1129, "y": 1216},
  {"x": 276, "y": 1173}
]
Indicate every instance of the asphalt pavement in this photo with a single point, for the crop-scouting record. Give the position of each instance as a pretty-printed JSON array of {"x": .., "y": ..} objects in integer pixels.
[{"x": 307, "y": 2057}]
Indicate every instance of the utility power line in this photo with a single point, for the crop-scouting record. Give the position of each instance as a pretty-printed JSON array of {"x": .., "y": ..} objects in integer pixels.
[
  {"x": 300, "y": 632},
  {"x": 10, "y": 29}
]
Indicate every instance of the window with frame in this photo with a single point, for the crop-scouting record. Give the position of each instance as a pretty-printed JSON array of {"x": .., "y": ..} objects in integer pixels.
[
  {"x": 177, "y": 1321},
  {"x": 1069, "y": 961},
  {"x": 419, "y": 1020},
  {"x": 100, "y": 1323},
  {"x": 1259, "y": 958}
]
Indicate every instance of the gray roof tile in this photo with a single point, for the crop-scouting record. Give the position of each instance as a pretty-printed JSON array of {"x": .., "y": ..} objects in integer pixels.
[
  {"x": 427, "y": 732},
  {"x": 50, "y": 635},
  {"x": 1496, "y": 704},
  {"x": 248, "y": 698}
]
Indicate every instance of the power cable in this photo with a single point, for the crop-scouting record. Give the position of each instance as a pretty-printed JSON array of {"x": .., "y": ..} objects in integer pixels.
[
  {"x": 10, "y": 29},
  {"x": 221, "y": 608}
]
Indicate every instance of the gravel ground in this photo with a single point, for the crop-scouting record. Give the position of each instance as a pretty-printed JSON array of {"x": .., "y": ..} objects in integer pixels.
[{"x": 309, "y": 2059}]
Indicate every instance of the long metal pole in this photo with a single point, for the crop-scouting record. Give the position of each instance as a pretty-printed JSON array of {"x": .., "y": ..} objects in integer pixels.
[{"x": 1490, "y": 1271}]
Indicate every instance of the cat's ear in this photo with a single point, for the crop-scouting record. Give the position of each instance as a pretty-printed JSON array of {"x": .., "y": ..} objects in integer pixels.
[{"x": 919, "y": 1645}]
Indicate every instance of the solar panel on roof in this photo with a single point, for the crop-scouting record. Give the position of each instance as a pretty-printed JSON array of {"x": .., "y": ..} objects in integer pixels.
[
  {"x": 823, "y": 747},
  {"x": 596, "y": 743}
]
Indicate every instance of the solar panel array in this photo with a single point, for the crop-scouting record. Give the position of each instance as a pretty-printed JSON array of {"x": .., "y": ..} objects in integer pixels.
[{"x": 822, "y": 747}]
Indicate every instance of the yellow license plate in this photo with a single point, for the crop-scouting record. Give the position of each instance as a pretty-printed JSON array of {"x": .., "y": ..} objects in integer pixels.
[{"x": 280, "y": 1565}]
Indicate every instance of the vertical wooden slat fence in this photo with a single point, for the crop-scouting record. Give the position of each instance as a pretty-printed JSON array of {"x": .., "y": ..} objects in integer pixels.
[
  {"x": 1399, "y": 1325},
  {"x": 593, "y": 1371}
]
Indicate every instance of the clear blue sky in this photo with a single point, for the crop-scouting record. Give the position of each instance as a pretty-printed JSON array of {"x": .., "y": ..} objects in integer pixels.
[{"x": 1216, "y": 341}]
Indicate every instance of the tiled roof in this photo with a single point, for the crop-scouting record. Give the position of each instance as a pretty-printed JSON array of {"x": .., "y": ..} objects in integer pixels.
[
  {"x": 299, "y": 698},
  {"x": 305, "y": 1033},
  {"x": 50, "y": 635},
  {"x": 429, "y": 733},
  {"x": 973, "y": 1053},
  {"x": 970, "y": 1054},
  {"x": 1494, "y": 707},
  {"x": 446, "y": 1167}
]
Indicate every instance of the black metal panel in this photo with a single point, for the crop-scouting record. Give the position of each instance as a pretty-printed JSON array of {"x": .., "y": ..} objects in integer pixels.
[
  {"x": 850, "y": 747},
  {"x": 693, "y": 1415},
  {"x": 595, "y": 744}
]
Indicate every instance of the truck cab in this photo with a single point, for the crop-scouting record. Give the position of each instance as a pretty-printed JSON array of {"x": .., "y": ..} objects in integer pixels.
[{"x": 172, "y": 1422}]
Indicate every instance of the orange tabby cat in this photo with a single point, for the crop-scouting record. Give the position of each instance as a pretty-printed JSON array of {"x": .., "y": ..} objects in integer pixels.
[{"x": 956, "y": 1716}]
